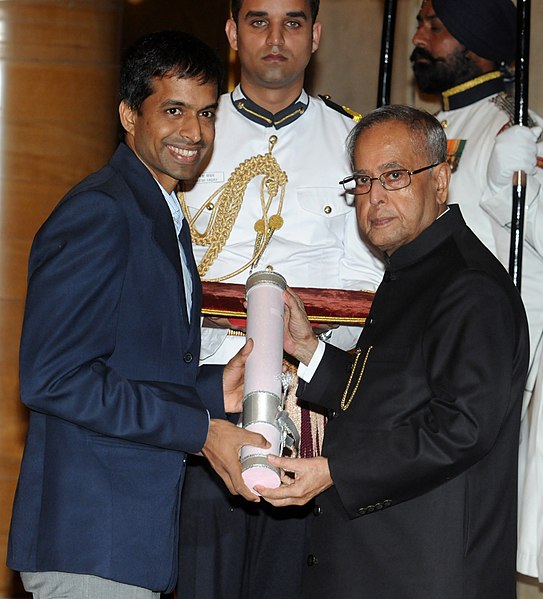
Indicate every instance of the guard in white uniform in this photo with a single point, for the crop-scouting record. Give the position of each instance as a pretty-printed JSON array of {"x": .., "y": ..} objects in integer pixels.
[
  {"x": 270, "y": 197},
  {"x": 317, "y": 244},
  {"x": 485, "y": 150}
]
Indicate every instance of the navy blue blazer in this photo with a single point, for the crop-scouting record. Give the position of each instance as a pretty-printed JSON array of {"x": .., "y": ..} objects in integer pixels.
[{"x": 109, "y": 371}]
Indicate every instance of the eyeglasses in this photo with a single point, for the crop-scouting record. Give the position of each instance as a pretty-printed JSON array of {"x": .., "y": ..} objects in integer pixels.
[{"x": 358, "y": 184}]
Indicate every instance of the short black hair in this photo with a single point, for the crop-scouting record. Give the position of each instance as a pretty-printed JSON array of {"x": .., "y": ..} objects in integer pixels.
[
  {"x": 235, "y": 7},
  {"x": 425, "y": 130},
  {"x": 166, "y": 53}
]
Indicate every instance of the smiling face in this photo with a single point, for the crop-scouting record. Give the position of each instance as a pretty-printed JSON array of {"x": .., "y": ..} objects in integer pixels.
[
  {"x": 274, "y": 40},
  {"x": 174, "y": 130},
  {"x": 390, "y": 219}
]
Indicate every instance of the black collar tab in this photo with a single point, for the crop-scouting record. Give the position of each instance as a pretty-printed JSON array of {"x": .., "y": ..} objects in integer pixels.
[
  {"x": 252, "y": 111},
  {"x": 472, "y": 91}
]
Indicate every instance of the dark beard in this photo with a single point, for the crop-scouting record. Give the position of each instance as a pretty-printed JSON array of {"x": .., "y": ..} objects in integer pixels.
[{"x": 439, "y": 74}]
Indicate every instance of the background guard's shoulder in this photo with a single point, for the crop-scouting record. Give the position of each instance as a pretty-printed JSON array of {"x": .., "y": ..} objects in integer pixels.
[
  {"x": 506, "y": 103},
  {"x": 344, "y": 110}
]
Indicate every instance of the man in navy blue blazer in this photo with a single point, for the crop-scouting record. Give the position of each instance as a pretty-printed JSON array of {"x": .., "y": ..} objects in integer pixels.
[{"x": 110, "y": 346}]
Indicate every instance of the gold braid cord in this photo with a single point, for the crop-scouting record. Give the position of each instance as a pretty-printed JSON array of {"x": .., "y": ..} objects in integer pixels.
[{"x": 225, "y": 205}]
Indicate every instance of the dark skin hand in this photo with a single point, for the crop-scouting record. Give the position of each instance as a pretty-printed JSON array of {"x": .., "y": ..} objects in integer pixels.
[
  {"x": 232, "y": 379},
  {"x": 222, "y": 450},
  {"x": 224, "y": 439}
]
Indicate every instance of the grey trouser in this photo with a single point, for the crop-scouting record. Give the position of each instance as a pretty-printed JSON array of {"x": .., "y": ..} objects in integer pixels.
[{"x": 62, "y": 585}]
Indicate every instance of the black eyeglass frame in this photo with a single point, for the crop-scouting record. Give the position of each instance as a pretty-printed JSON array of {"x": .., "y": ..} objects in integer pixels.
[{"x": 379, "y": 178}]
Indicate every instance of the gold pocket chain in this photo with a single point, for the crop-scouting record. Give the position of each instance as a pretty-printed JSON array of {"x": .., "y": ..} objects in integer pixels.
[{"x": 345, "y": 403}]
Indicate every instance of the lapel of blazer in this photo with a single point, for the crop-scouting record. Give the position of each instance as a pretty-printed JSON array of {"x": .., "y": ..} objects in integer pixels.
[{"x": 151, "y": 201}]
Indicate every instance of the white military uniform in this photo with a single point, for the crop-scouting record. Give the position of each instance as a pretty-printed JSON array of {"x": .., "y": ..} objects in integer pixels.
[
  {"x": 478, "y": 120},
  {"x": 229, "y": 548},
  {"x": 318, "y": 244}
]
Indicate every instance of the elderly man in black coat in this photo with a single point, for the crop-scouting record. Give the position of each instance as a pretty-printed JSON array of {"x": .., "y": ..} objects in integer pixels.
[{"x": 417, "y": 480}]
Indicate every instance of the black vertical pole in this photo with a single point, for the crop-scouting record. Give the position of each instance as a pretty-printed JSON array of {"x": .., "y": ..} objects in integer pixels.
[
  {"x": 387, "y": 50},
  {"x": 521, "y": 118}
]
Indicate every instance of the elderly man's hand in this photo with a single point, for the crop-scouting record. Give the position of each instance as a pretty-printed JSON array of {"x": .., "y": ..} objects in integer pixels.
[
  {"x": 299, "y": 339},
  {"x": 311, "y": 477}
]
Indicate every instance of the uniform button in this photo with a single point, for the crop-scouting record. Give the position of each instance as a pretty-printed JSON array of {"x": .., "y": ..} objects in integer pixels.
[
  {"x": 187, "y": 358},
  {"x": 210, "y": 206},
  {"x": 370, "y": 509},
  {"x": 332, "y": 414},
  {"x": 362, "y": 510},
  {"x": 387, "y": 502},
  {"x": 312, "y": 560},
  {"x": 317, "y": 510},
  {"x": 327, "y": 209},
  {"x": 379, "y": 506},
  {"x": 369, "y": 321}
]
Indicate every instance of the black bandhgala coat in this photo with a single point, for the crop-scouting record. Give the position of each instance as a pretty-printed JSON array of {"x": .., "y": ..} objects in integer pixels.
[{"x": 422, "y": 443}]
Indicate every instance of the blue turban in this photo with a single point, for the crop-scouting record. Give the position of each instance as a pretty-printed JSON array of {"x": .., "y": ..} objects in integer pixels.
[{"x": 486, "y": 27}]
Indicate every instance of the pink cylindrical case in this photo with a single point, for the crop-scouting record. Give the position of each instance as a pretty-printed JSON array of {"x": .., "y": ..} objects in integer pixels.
[{"x": 262, "y": 398}]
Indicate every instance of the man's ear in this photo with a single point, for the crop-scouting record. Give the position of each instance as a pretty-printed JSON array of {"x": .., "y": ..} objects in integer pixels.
[
  {"x": 127, "y": 116},
  {"x": 442, "y": 177},
  {"x": 232, "y": 33},
  {"x": 317, "y": 27}
]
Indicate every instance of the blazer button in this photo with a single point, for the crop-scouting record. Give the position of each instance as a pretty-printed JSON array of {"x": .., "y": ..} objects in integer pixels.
[
  {"x": 312, "y": 560},
  {"x": 317, "y": 510},
  {"x": 362, "y": 511},
  {"x": 331, "y": 414},
  {"x": 187, "y": 358},
  {"x": 387, "y": 502}
]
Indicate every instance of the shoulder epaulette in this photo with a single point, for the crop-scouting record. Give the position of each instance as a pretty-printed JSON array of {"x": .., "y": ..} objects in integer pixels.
[{"x": 344, "y": 110}]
